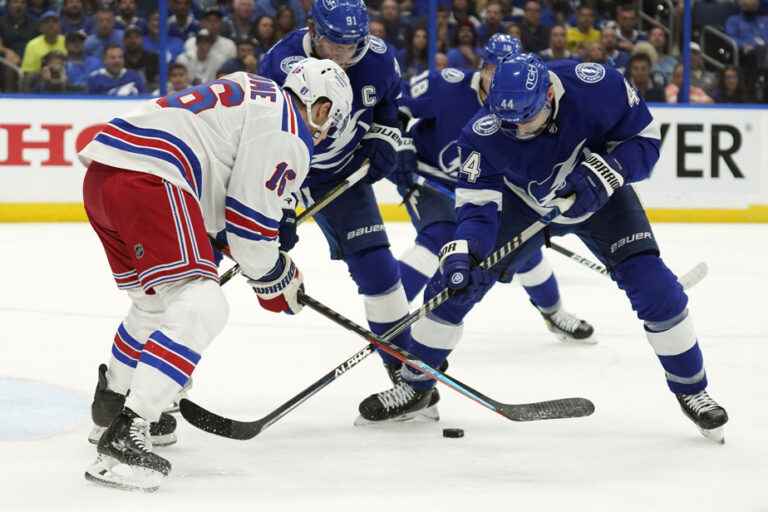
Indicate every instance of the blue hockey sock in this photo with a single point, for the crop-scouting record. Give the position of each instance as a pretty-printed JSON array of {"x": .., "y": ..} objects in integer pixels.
[
  {"x": 433, "y": 340},
  {"x": 540, "y": 283},
  {"x": 679, "y": 353}
]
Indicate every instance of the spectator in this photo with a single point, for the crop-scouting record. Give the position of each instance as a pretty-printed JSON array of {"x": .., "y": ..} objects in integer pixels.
[
  {"x": 513, "y": 29},
  {"x": 222, "y": 48},
  {"x": 52, "y": 78},
  {"x": 174, "y": 45},
  {"x": 665, "y": 64},
  {"x": 266, "y": 35},
  {"x": 113, "y": 78},
  {"x": 285, "y": 21},
  {"x": 616, "y": 57},
  {"x": 270, "y": 7},
  {"x": 79, "y": 66},
  {"x": 17, "y": 28},
  {"x": 245, "y": 61},
  {"x": 464, "y": 54},
  {"x": 126, "y": 16},
  {"x": 493, "y": 22},
  {"x": 181, "y": 23},
  {"x": 137, "y": 58},
  {"x": 36, "y": 8},
  {"x": 557, "y": 49},
  {"x": 584, "y": 31},
  {"x": 203, "y": 63},
  {"x": 395, "y": 30},
  {"x": 639, "y": 75},
  {"x": 104, "y": 34},
  {"x": 695, "y": 94},
  {"x": 441, "y": 61},
  {"x": 750, "y": 30},
  {"x": 443, "y": 28},
  {"x": 50, "y": 39},
  {"x": 535, "y": 36},
  {"x": 462, "y": 10},
  {"x": 414, "y": 58},
  {"x": 178, "y": 79},
  {"x": 73, "y": 17},
  {"x": 700, "y": 77},
  {"x": 594, "y": 52},
  {"x": 731, "y": 89},
  {"x": 241, "y": 23},
  {"x": 376, "y": 28},
  {"x": 627, "y": 32}
]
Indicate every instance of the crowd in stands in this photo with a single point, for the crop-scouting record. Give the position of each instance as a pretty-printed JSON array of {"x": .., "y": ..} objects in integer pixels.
[{"x": 111, "y": 47}]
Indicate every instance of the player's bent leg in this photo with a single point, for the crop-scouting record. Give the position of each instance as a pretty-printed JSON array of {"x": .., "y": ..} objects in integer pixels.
[
  {"x": 419, "y": 263},
  {"x": 539, "y": 281},
  {"x": 659, "y": 300}
]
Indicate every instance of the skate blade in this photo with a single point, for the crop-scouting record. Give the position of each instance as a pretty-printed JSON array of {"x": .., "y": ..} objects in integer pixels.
[
  {"x": 716, "y": 435},
  {"x": 109, "y": 472},
  {"x": 428, "y": 415},
  {"x": 157, "y": 441}
]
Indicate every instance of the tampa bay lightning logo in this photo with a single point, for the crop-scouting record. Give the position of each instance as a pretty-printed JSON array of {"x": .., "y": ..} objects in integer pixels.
[
  {"x": 377, "y": 45},
  {"x": 330, "y": 4},
  {"x": 545, "y": 190},
  {"x": 486, "y": 125},
  {"x": 590, "y": 72},
  {"x": 287, "y": 63},
  {"x": 448, "y": 159},
  {"x": 452, "y": 75}
]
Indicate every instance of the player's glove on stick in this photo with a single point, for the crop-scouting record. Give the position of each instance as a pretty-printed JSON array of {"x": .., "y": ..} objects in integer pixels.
[
  {"x": 404, "y": 175},
  {"x": 461, "y": 272},
  {"x": 288, "y": 236},
  {"x": 278, "y": 291},
  {"x": 593, "y": 181},
  {"x": 380, "y": 145}
]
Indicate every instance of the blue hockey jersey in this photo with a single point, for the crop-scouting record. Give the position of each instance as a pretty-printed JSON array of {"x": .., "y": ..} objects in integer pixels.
[
  {"x": 375, "y": 81},
  {"x": 127, "y": 83},
  {"x": 443, "y": 101},
  {"x": 595, "y": 110}
]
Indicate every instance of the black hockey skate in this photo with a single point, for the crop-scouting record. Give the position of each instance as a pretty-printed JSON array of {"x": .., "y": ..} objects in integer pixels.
[
  {"x": 395, "y": 373},
  {"x": 108, "y": 404},
  {"x": 569, "y": 328},
  {"x": 400, "y": 403},
  {"x": 707, "y": 414},
  {"x": 125, "y": 459}
]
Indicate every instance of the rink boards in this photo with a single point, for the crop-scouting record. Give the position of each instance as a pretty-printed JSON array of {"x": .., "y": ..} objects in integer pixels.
[{"x": 713, "y": 165}]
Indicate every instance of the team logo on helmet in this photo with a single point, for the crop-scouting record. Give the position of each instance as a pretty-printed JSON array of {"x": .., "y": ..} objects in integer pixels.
[
  {"x": 330, "y": 4},
  {"x": 486, "y": 125},
  {"x": 377, "y": 45},
  {"x": 452, "y": 75},
  {"x": 533, "y": 77},
  {"x": 288, "y": 63},
  {"x": 590, "y": 72}
]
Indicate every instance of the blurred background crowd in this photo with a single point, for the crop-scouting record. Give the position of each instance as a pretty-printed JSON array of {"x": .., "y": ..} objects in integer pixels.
[{"x": 111, "y": 47}]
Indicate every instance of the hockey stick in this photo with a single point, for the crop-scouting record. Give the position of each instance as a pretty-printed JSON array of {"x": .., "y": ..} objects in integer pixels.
[
  {"x": 241, "y": 430},
  {"x": 335, "y": 192},
  {"x": 688, "y": 280}
]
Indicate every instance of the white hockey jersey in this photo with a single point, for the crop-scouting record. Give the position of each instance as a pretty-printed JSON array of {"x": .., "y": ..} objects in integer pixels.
[{"x": 238, "y": 144}]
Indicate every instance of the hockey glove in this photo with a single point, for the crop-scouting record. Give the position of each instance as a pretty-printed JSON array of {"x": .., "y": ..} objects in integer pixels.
[
  {"x": 278, "y": 290},
  {"x": 380, "y": 146},
  {"x": 461, "y": 272},
  {"x": 405, "y": 174},
  {"x": 593, "y": 181},
  {"x": 288, "y": 236}
]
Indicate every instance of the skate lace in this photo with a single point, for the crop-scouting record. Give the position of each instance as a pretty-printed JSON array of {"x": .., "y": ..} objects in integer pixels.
[
  {"x": 397, "y": 396},
  {"x": 700, "y": 402},
  {"x": 565, "y": 321},
  {"x": 139, "y": 434}
]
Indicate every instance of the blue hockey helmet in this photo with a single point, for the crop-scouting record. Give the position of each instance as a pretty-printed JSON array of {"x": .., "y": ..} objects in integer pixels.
[
  {"x": 500, "y": 46},
  {"x": 519, "y": 88},
  {"x": 343, "y": 22}
]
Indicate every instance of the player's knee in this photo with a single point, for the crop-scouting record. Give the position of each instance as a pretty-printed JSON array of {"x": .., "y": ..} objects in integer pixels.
[
  {"x": 654, "y": 291},
  {"x": 435, "y": 236},
  {"x": 197, "y": 310},
  {"x": 375, "y": 271}
]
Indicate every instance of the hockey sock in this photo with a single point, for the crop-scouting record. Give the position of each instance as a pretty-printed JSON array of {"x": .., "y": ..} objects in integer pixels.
[
  {"x": 433, "y": 341},
  {"x": 679, "y": 353},
  {"x": 419, "y": 263},
  {"x": 540, "y": 283}
]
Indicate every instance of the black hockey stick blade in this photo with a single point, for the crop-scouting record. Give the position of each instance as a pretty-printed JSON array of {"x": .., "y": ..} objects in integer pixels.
[
  {"x": 548, "y": 410},
  {"x": 219, "y": 425}
]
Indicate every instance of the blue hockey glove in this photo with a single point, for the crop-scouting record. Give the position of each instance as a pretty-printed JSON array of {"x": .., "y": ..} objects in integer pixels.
[
  {"x": 380, "y": 146},
  {"x": 461, "y": 272},
  {"x": 593, "y": 182},
  {"x": 405, "y": 174},
  {"x": 288, "y": 236}
]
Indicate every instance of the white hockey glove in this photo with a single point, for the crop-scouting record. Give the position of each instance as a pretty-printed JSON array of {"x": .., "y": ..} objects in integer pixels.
[{"x": 278, "y": 291}]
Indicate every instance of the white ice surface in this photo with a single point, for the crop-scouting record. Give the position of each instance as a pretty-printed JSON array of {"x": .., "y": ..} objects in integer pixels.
[{"x": 59, "y": 309}]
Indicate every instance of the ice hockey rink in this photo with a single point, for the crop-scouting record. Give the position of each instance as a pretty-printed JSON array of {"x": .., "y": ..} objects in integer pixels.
[{"x": 59, "y": 310}]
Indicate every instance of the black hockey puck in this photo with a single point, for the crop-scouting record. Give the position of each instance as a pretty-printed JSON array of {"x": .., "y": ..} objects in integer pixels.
[{"x": 453, "y": 432}]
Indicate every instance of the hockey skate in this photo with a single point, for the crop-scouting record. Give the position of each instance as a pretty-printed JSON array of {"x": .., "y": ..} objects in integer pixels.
[
  {"x": 569, "y": 328},
  {"x": 125, "y": 458},
  {"x": 707, "y": 414},
  {"x": 108, "y": 404},
  {"x": 399, "y": 404}
]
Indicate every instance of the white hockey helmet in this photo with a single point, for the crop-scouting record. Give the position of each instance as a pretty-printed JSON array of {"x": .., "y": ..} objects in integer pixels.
[{"x": 311, "y": 79}]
